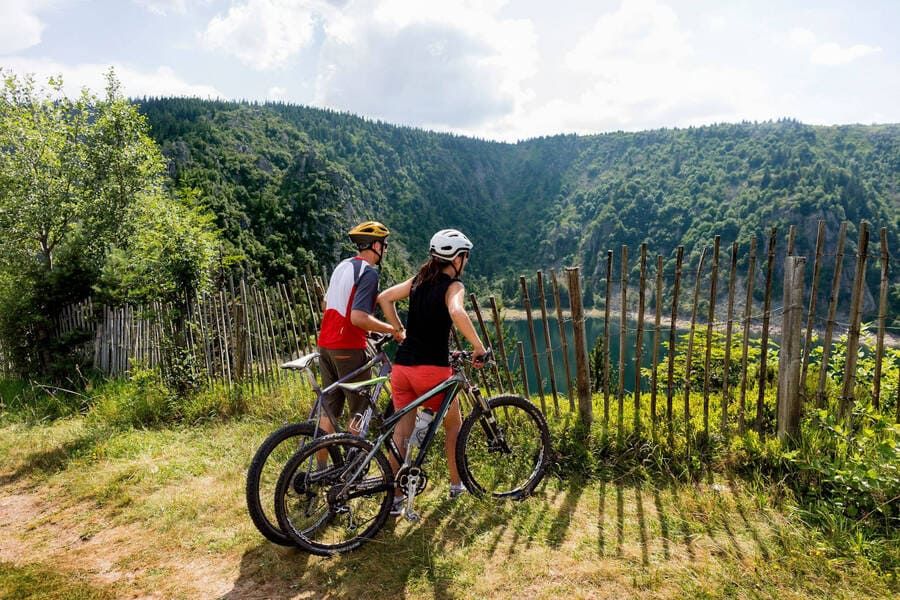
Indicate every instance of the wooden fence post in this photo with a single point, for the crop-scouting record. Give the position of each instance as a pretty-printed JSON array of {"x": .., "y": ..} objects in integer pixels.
[
  {"x": 248, "y": 334},
  {"x": 564, "y": 341},
  {"x": 609, "y": 257},
  {"x": 276, "y": 353},
  {"x": 788, "y": 403},
  {"x": 673, "y": 324},
  {"x": 654, "y": 355},
  {"x": 582, "y": 373},
  {"x": 814, "y": 286},
  {"x": 690, "y": 352},
  {"x": 639, "y": 341},
  {"x": 498, "y": 327},
  {"x": 487, "y": 339},
  {"x": 546, "y": 327},
  {"x": 313, "y": 313},
  {"x": 764, "y": 342},
  {"x": 859, "y": 283},
  {"x": 729, "y": 326},
  {"x": 623, "y": 330},
  {"x": 711, "y": 316},
  {"x": 521, "y": 348},
  {"x": 534, "y": 353},
  {"x": 882, "y": 313},
  {"x": 832, "y": 309}
]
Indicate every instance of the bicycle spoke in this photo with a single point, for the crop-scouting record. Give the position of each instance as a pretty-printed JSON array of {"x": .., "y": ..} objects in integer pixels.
[
  {"x": 506, "y": 458},
  {"x": 338, "y": 503}
]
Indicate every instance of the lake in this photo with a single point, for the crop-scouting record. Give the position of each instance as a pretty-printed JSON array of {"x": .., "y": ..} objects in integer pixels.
[{"x": 593, "y": 331}]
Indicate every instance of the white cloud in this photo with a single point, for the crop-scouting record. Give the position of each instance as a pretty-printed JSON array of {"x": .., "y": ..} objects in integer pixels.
[
  {"x": 20, "y": 27},
  {"x": 828, "y": 53},
  {"x": 164, "y": 7},
  {"x": 264, "y": 34},
  {"x": 640, "y": 31},
  {"x": 442, "y": 65},
  {"x": 801, "y": 37},
  {"x": 161, "y": 81},
  {"x": 635, "y": 69},
  {"x": 276, "y": 93},
  {"x": 832, "y": 54}
]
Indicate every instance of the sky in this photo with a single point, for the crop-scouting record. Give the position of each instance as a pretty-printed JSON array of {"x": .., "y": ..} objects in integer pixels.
[{"x": 494, "y": 69}]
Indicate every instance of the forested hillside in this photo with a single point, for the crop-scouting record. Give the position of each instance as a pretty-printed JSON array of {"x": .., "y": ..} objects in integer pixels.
[{"x": 285, "y": 181}]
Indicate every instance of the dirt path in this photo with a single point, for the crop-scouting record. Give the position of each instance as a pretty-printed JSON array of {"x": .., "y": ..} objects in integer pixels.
[{"x": 76, "y": 538}]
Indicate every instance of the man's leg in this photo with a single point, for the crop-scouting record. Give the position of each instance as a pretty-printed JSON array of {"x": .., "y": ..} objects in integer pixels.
[
  {"x": 345, "y": 362},
  {"x": 332, "y": 403}
]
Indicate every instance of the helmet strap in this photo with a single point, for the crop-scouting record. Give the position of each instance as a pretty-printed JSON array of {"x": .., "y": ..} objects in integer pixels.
[{"x": 371, "y": 247}]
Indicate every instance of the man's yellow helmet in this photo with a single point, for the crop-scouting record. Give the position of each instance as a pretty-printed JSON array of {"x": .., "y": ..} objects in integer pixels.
[{"x": 367, "y": 232}]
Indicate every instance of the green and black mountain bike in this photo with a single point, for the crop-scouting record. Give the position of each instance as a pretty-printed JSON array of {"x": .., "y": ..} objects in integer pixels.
[{"x": 333, "y": 505}]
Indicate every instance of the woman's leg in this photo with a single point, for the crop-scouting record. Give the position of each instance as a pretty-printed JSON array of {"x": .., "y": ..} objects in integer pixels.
[
  {"x": 401, "y": 438},
  {"x": 452, "y": 423}
]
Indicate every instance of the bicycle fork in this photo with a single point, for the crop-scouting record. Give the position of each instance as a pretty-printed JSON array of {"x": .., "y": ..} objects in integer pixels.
[{"x": 492, "y": 429}]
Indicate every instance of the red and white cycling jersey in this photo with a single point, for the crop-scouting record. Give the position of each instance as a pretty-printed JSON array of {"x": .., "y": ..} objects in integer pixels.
[{"x": 353, "y": 286}]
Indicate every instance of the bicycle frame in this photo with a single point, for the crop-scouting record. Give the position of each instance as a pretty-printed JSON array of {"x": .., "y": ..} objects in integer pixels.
[
  {"x": 319, "y": 408},
  {"x": 452, "y": 385}
]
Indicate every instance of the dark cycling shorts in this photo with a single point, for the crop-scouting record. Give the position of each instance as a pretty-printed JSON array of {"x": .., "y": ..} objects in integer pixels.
[{"x": 334, "y": 364}]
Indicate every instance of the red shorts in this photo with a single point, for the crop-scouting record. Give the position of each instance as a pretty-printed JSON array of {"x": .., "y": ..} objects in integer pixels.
[{"x": 408, "y": 383}]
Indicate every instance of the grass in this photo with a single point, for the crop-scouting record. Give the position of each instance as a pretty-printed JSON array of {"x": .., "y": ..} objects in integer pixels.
[
  {"x": 119, "y": 509},
  {"x": 164, "y": 510},
  {"x": 43, "y": 582}
]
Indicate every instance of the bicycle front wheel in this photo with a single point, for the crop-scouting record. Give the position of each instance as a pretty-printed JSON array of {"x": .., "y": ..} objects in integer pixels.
[
  {"x": 503, "y": 451},
  {"x": 332, "y": 496}
]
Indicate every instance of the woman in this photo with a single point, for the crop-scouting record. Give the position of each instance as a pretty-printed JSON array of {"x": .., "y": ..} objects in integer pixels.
[{"x": 437, "y": 301}]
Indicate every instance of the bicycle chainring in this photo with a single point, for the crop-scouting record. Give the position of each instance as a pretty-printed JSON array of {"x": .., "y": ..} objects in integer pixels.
[{"x": 404, "y": 474}]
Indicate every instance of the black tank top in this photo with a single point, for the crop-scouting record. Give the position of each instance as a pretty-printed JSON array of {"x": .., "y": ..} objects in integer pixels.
[{"x": 428, "y": 326}]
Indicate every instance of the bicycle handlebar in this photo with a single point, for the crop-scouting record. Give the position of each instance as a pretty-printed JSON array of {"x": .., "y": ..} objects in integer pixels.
[
  {"x": 461, "y": 355},
  {"x": 379, "y": 340}
]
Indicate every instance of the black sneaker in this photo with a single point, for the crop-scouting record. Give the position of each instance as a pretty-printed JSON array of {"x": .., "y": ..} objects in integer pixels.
[{"x": 457, "y": 490}]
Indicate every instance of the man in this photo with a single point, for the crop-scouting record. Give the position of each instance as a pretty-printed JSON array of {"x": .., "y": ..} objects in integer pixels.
[{"x": 349, "y": 303}]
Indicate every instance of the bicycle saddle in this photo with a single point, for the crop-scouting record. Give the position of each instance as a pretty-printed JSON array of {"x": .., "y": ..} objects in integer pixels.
[
  {"x": 302, "y": 362},
  {"x": 355, "y": 386}
]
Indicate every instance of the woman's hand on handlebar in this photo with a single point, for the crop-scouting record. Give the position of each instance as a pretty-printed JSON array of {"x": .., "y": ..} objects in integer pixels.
[{"x": 480, "y": 358}]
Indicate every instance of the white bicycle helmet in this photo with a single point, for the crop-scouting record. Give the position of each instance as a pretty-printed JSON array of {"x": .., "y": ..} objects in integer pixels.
[{"x": 447, "y": 244}]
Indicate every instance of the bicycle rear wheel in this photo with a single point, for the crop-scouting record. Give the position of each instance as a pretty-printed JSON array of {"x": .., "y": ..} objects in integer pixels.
[
  {"x": 506, "y": 458},
  {"x": 334, "y": 506},
  {"x": 262, "y": 476}
]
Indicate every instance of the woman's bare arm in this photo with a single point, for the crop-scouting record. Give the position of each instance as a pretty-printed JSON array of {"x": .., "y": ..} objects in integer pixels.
[
  {"x": 455, "y": 298},
  {"x": 388, "y": 299}
]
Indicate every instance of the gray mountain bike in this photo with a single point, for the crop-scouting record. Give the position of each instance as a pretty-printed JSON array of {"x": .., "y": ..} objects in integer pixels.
[{"x": 281, "y": 444}]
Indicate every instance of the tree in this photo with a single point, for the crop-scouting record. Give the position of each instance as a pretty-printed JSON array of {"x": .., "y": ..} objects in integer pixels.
[
  {"x": 169, "y": 256},
  {"x": 81, "y": 186},
  {"x": 69, "y": 169}
]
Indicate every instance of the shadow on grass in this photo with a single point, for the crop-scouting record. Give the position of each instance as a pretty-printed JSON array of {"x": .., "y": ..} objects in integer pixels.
[
  {"x": 53, "y": 460},
  {"x": 563, "y": 518},
  {"x": 398, "y": 555},
  {"x": 754, "y": 532}
]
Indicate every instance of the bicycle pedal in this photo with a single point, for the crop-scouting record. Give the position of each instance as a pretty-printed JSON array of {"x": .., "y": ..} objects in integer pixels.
[{"x": 411, "y": 516}]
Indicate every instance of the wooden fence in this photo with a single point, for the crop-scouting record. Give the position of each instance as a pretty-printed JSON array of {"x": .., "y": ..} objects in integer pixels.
[{"x": 240, "y": 333}]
